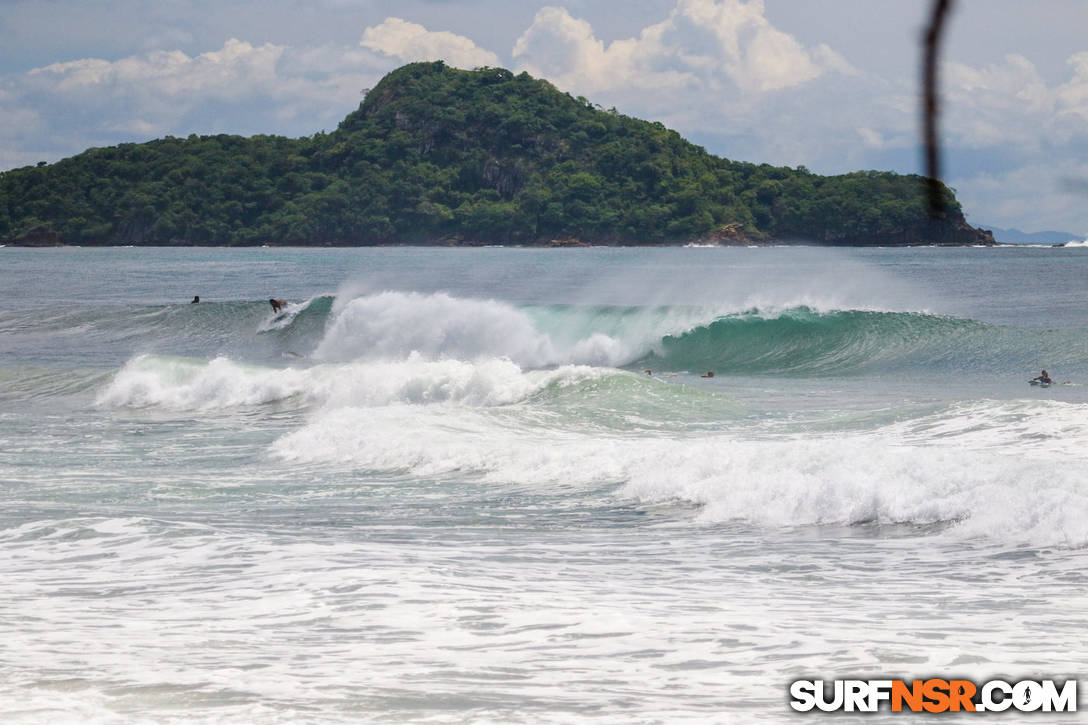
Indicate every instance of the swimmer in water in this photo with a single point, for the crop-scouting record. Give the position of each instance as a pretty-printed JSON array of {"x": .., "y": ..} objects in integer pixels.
[{"x": 196, "y": 298}]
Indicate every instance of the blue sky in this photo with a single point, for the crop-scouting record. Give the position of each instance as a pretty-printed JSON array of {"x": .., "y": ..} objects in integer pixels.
[{"x": 829, "y": 85}]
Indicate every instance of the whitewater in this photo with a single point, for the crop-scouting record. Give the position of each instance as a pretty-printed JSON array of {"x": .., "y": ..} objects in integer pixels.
[{"x": 501, "y": 485}]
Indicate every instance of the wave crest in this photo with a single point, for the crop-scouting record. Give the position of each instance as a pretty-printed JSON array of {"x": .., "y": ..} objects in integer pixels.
[
  {"x": 151, "y": 381},
  {"x": 803, "y": 341}
]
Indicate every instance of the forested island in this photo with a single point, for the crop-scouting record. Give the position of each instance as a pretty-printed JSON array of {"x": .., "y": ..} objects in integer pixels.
[{"x": 435, "y": 155}]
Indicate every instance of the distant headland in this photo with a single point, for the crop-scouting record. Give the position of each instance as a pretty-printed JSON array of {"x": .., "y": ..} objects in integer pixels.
[{"x": 438, "y": 156}]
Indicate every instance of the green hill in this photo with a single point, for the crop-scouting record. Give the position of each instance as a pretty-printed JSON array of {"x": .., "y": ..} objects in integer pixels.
[{"x": 437, "y": 155}]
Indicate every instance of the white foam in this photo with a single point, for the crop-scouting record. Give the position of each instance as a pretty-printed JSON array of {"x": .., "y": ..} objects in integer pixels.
[
  {"x": 865, "y": 479},
  {"x": 851, "y": 480},
  {"x": 1046, "y": 430},
  {"x": 392, "y": 325},
  {"x": 184, "y": 384}
]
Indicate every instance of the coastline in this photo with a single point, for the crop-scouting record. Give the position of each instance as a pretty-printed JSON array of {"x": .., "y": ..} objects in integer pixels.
[
  {"x": 552, "y": 244},
  {"x": 729, "y": 235}
]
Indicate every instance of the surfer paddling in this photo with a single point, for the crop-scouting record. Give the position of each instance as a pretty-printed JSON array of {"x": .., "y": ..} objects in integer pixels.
[
  {"x": 277, "y": 305},
  {"x": 196, "y": 298},
  {"x": 1045, "y": 381}
]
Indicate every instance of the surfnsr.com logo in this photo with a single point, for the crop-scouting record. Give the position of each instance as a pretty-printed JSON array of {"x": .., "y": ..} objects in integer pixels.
[{"x": 933, "y": 695}]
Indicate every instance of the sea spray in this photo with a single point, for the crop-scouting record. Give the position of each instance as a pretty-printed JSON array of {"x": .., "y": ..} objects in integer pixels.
[
  {"x": 775, "y": 340},
  {"x": 391, "y": 325}
]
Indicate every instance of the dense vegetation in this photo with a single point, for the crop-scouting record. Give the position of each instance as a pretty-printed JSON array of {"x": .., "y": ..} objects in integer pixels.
[{"x": 437, "y": 155}]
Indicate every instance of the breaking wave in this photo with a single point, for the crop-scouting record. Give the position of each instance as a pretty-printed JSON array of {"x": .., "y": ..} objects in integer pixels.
[
  {"x": 794, "y": 340},
  {"x": 551, "y": 397},
  {"x": 187, "y": 384},
  {"x": 966, "y": 483}
]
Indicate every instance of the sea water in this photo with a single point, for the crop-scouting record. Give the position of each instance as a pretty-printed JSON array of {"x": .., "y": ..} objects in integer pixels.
[{"x": 461, "y": 485}]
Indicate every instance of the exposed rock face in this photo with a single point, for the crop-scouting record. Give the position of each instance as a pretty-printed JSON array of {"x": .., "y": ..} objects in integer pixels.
[
  {"x": 729, "y": 234},
  {"x": 506, "y": 177},
  {"x": 38, "y": 237},
  {"x": 942, "y": 233},
  {"x": 964, "y": 233},
  {"x": 954, "y": 234}
]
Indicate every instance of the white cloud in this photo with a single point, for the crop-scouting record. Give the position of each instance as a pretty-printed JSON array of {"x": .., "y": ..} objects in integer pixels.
[
  {"x": 828, "y": 59},
  {"x": 135, "y": 126},
  {"x": 1032, "y": 197},
  {"x": 871, "y": 138},
  {"x": 562, "y": 48},
  {"x": 1010, "y": 103},
  {"x": 702, "y": 43},
  {"x": 756, "y": 55},
  {"x": 1002, "y": 103},
  {"x": 1072, "y": 96},
  {"x": 719, "y": 70},
  {"x": 412, "y": 42},
  {"x": 238, "y": 88},
  {"x": 236, "y": 66},
  {"x": 1014, "y": 81}
]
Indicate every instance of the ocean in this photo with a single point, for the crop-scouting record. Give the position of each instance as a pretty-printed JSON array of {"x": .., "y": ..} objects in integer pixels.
[{"x": 497, "y": 484}]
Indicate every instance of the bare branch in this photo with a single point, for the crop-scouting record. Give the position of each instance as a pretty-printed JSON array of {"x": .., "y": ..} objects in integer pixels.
[{"x": 930, "y": 110}]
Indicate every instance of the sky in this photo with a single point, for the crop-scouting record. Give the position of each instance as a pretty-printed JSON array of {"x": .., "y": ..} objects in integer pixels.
[{"x": 830, "y": 85}]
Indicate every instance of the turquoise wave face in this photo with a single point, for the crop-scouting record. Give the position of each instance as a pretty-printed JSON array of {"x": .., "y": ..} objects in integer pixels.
[
  {"x": 802, "y": 341},
  {"x": 796, "y": 341}
]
